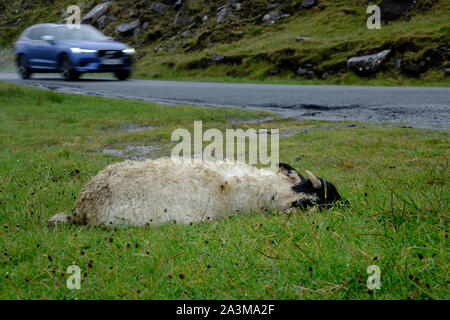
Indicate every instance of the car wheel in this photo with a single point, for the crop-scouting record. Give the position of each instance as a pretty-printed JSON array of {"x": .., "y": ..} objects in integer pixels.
[
  {"x": 122, "y": 75},
  {"x": 66, "y": 69},
  {"x": 22, "y": 68}
]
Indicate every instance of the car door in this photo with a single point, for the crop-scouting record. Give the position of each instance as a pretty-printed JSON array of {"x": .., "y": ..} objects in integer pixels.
[
  {"x": 47, "y": 51},
  {"x": 33, "y": 47}
]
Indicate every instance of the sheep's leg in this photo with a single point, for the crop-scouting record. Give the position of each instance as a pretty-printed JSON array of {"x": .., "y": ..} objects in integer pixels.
[{"x": 60, "y": 218}]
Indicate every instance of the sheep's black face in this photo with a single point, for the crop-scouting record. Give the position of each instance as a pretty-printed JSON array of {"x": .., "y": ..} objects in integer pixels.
[
  {"x": 312, "y": 191},
  {"x": 313, "y": 194}
]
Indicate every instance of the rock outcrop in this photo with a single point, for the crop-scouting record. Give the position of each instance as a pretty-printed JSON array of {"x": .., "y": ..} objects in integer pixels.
[
  {"x": 128, "y": 28},
  {"x": 96, "y": 12},
  {"x": 273, "y": 16},
  {"x": 159, "y": 7},
  {"x": 224, "y": 14},
  {"x": 309, "y": 4},
  {"x": 394, "y": 9},
  {"x": 368, "y": 64}
]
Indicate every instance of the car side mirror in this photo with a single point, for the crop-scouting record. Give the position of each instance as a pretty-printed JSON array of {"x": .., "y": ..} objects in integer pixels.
[{"x": 48, "y": 38}]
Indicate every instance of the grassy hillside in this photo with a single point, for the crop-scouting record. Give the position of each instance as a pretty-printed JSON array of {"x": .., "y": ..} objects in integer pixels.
[
  {"x": 395, "y": 179},
  {"x": 254, "y": 51},
  {"x": 337, "y": 32}
]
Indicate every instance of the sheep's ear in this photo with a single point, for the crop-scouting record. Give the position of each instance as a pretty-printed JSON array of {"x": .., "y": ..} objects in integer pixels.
[{"x": 290, "y": 172}]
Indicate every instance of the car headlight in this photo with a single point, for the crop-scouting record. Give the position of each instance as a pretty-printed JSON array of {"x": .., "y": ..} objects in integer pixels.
[
  {"x": 78, "y": 50},
  {"x": 129, "y": 51}
]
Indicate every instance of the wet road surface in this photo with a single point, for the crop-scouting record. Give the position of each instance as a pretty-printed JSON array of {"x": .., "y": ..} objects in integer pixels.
[{"x": 422, "y": 107}]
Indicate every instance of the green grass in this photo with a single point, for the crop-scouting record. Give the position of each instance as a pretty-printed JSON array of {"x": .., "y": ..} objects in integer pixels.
[
  {"x": 337, "y": 32},
  {"x": 395, "y": 179}
]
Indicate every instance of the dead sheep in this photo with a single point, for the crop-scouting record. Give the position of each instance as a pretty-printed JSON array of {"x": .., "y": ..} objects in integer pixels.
[{"x": 167, "y": 190}]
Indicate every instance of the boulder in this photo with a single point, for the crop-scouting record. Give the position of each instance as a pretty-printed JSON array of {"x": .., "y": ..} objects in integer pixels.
[
  {"x": 301, "y": 71},
  {"x": 412, "y": 69},
  {"x": 96, "y": 13},
  {"x": 136, "y": 32},
  {"x": 298, "y": 39},
  {"x": 224, "y": 14},
  {"x": 188, "y": 30},
  {"x": 17, "y": 22},
  {"x": 267, "y": 19},
  {"x": 180, "y": 19},
  {"x": 273, "y": 16},
  {"x": 128, "y": 28},
  {"x": 309, "y": 4},
  {"x": 214, "y": 60},
  {"x": 310, "y": 74},
  {"x": 185, "y": 34},
  {"x": 101, "y": 22},
  {"x": 368, "y": 64},
  {"x": 178, "y": 4},
  {"x": 394, "y": 9},
  {"x": 159, "y": 7}
]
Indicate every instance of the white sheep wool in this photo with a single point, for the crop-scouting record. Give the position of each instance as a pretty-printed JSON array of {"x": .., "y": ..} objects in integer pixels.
[{"x": 171, "y": 190}]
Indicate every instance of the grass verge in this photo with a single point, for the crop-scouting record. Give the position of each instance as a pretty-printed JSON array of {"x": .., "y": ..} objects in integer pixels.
[{"x": 395, "y": 178}]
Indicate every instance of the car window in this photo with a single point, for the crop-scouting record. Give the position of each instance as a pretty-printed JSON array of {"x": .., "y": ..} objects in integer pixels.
[
  {"x": 45, "y": 31},
  {"x": 50, "y": 32},
  {"x": 85, "y": 32},
  {"x": 26, "y": 33},
  {"x": 35, "y": 33}
]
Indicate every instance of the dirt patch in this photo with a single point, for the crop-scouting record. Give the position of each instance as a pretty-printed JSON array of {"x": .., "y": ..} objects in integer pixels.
[{"x": 135, "y": 127}]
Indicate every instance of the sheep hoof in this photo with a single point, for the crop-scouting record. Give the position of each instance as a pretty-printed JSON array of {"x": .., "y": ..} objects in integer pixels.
[{"x": 59, "y": 218}]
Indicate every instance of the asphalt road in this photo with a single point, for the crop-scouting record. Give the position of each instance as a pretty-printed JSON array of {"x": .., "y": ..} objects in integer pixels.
[{"x": 422, "y": 107}]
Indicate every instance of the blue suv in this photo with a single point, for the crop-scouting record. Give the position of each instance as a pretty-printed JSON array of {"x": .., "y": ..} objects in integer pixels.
[{"x": 70, "y": 50}]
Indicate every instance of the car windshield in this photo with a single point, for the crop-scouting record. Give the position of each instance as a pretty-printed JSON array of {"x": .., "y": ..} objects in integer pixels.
[{"x": 83, "y": 32}]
